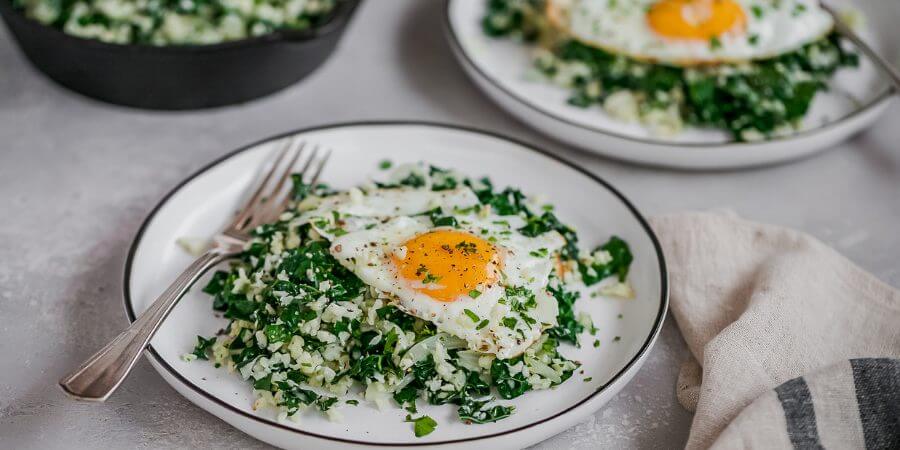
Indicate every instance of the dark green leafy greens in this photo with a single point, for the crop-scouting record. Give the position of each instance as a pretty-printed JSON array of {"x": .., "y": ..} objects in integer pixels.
[
  {"x": 749, "y": 101},
  {"x": 265, "y": 325},
  {"x": 480, "y": 411},
  {"x": 618, "y": 264},
  {"x": 203, "y": 346},
  {"x": 508, "y": 386},
  {"x": 568, "y": 327}
]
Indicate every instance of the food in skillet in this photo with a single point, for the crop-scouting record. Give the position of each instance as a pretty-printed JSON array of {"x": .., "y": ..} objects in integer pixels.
[
  {"x": 749, "y": 67},
  {"x": 428, "y": 286},
  {"x": 176, "y": 22}
]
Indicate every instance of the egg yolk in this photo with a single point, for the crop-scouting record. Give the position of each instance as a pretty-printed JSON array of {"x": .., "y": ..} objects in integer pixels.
[
  {"x": 447, "y": 264},
  {"x": 696, "y": 19}
]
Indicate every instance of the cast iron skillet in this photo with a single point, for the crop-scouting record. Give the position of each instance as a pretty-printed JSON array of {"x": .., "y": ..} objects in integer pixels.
[{"x": 177, "y": 77}]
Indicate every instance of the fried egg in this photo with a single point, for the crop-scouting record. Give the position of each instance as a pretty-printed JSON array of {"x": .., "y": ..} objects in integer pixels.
[
  {"x": 692, "y": 32},
  {"x": 480, "y": 280}
]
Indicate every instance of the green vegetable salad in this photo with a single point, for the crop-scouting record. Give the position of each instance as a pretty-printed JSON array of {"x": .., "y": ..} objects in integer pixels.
[
  {"x": 751, "y": 101},
  {"x": 308, "y": 334}
]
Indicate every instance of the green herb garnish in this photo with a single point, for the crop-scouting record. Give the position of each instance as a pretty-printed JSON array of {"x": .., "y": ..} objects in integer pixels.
[
  {"x": 203, "y": 346},
  {"x": 422, "y": 426}
]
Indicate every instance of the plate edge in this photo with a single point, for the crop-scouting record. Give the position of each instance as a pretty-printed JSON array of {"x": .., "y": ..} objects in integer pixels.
[{"x": 645, "y": 347}]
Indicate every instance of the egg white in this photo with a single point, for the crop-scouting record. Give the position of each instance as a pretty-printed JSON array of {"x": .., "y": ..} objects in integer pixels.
[
  {"x": 381, "y": 203},
  {"x": 368, "y": 229},
  {"x": 621, "y": 27}
]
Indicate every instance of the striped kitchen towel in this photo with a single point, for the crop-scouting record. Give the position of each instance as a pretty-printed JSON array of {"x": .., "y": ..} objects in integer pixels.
[
  {"x": 852, "y": 404},
  {"x": 793, "y": 345}
]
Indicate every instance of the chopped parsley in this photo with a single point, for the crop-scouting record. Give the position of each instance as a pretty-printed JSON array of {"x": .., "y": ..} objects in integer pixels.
[
  {"x": 757, "y": 11},
  {"x": 422, "y": 426},
  {"x": 429, "y": 278},
  {"x": 203, "y": 346},
  {"x": 438, "y": 219},
  {"x": 467, "y": 248}
]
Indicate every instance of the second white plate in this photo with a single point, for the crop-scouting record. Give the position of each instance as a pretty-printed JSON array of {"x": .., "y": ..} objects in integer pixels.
[{"x": 499, "y": 68}]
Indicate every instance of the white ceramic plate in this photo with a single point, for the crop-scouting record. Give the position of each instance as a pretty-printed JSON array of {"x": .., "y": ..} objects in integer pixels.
[
  {"x": 499, "y": 68},
  {"x": 204, "y": 202}
]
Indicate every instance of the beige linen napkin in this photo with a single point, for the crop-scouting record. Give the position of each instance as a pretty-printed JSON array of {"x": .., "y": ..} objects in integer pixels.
[{"x": 760, "y": 306}]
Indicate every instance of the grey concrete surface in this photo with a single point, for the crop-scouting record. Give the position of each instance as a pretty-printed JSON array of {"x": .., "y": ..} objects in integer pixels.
[{"x": 77, "y": 177}]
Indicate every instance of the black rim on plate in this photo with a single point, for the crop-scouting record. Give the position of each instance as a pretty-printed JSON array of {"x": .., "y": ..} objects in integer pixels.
[
  {"x": 458, "y": 48},
  {"x": 645, "y": 347}
]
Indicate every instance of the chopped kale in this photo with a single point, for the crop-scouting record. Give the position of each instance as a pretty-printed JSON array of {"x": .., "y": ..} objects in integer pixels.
[
  {"x": 438, "y": 218},
  {"x": 293, "y": 397},
  {"x": 505, "y": 18},
  {"x": 442, "y": 179},
  {"x": 325, "y": 403},
  {"x": 311, "y": 265},
  {"x": 547, "y": 221},
  {"x": 480, "y": 411},
  {"x": 277, "y": 333},
  {"x": 406, "y": 397},
  {"x": 508, "y": 386},
  {"x": 203, "y": 346},
  {"x": 619, "y": 262},
  {"x": 568, "y": 327}
]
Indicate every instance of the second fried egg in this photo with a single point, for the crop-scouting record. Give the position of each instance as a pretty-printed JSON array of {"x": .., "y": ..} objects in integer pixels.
[{"x": 692, "y": 32}]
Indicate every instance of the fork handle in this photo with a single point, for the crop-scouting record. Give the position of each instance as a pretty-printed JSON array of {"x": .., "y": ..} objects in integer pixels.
[{"x": 100, "y": 375}]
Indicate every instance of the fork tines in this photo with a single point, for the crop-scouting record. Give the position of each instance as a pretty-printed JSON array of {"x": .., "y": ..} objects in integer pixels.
[{"x": 273, "y": 195}]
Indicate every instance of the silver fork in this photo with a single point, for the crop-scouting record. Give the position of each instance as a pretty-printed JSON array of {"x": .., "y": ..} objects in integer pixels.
[
  {"x": 882, "y": 63},
  {"x": 103, "y": 372}
]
